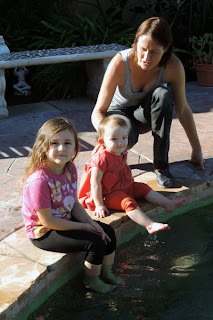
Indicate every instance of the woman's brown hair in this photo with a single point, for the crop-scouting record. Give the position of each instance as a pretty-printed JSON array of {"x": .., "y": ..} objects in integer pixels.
[{"x": 159, "y": 30}]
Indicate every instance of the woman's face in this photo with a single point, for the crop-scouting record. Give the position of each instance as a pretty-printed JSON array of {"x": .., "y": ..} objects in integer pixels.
[{"x": 149, "y": 52}]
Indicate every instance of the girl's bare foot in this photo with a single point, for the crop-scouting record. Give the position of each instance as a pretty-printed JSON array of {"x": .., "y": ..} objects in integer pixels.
[{"x": 156, "y": 227}]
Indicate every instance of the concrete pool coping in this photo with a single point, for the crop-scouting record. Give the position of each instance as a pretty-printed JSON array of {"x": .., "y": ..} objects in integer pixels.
[{"x": 41, "y": 272}]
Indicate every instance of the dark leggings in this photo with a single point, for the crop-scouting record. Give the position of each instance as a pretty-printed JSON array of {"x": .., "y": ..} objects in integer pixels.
[
  {"x": 77, "y": 240},
  {"x": 153, "y": 114}
]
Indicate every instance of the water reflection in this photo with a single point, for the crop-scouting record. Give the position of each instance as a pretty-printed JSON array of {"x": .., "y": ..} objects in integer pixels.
[{"x": 168, "y": 277}]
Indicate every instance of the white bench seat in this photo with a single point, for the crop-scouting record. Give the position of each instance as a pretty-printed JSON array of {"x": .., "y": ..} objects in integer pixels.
[
  {"x": 27, "y": 58},
  {"x": 60, "y": 55}
]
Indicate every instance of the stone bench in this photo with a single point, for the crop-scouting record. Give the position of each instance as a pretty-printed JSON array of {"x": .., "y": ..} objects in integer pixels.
[{"x": 100, "y": 54}]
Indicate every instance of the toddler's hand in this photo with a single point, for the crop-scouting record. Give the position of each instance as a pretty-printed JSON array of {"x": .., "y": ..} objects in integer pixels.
[{"x": 100, "y": 211}]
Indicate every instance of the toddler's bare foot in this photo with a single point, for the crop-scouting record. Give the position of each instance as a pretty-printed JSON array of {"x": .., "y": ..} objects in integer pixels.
[
  {"x": 156, "y": 227},
  {"x": 175, "y": 203}
]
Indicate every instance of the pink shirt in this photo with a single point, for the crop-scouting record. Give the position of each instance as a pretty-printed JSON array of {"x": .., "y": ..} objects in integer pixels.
[
  {"x": 44, "y": 189},
  {"x": 117, "y": 175}
]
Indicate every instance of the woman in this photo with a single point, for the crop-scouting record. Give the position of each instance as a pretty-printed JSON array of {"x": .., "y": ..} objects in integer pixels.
[{"x": 134, "y": 86}]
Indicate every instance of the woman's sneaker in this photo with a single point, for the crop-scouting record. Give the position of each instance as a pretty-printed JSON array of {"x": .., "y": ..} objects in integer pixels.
[{"x": 164, "y": 178}]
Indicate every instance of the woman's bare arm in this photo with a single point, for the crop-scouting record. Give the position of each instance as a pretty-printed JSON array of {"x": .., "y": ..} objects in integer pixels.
[
  {"x": 175, "y": 75},
  {"x": 114, "y": 76}
]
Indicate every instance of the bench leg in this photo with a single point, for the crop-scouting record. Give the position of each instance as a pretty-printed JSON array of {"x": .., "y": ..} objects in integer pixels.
[
  {"x": 95, "y": 72},
  {"x": 3, "y": 104}
]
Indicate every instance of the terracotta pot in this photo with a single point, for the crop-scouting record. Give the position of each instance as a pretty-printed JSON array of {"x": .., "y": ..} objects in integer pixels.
[{"x": 204, "y": 74}]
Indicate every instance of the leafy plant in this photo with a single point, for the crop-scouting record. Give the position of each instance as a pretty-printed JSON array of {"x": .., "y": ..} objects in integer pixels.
[
  {"x": 29, "y": 24},
  {"x": 76, "y": 30},
  {"x": 203, "y": 48},
  {"x": 71, "y": 31},
  {"x": 21, "y": 19},
  {"x": 59, "y": 81}
]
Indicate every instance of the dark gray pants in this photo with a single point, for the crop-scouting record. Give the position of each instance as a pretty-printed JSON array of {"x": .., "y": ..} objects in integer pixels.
[{"x": 153, "y": 114}]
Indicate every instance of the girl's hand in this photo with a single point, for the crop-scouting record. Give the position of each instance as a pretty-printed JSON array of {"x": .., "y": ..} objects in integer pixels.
[
  {"x": 99, "y": 230},
  {"x": 100, "y": 211}
]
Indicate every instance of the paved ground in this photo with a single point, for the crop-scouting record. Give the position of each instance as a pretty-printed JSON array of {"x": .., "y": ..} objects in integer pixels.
[
  {"x": 20, "y": 263},
  {"x": 17, "y": 135}
]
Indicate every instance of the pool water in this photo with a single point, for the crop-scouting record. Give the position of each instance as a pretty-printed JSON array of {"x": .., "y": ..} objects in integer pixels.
[{"x": 168, "y": 277}]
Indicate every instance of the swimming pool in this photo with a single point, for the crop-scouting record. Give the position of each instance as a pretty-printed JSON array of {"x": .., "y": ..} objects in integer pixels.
[{"x": 168, "y": 276}]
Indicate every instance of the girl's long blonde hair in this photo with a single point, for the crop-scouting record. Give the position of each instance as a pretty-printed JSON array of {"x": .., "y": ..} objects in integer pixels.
[{"x": 37, "y": 156}]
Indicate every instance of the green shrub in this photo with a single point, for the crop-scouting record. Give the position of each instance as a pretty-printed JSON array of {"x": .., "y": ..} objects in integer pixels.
[{"x": 42, "y": 27}]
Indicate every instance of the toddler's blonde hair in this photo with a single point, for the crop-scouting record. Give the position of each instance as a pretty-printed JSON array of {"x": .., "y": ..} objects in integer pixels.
[{"x": 111, "y": 120}]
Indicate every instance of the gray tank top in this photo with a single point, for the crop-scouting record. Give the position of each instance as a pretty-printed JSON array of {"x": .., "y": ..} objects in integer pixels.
[{"x": 124, "y": 97}]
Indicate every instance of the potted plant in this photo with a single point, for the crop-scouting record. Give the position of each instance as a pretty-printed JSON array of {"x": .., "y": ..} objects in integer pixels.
[{"x": 203, "y": 58}]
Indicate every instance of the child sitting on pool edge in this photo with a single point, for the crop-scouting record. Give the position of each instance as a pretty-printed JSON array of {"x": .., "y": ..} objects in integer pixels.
[{"x": 107, "y": 181}]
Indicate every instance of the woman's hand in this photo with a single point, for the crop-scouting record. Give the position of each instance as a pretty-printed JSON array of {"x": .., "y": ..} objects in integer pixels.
[
  {"x": 113, "y": 77},
  {"x": 197, "y": 158},
  {"x": 100, "y": 211}
]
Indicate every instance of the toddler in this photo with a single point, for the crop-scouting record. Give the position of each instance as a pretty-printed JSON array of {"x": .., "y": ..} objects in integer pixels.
[{"x": 107, "y": 182}]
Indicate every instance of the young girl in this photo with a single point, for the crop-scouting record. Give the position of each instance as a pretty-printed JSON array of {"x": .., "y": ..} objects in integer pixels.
[
  {"x": 107, "y": 182},
  {"x": 54, "y": 219}
]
